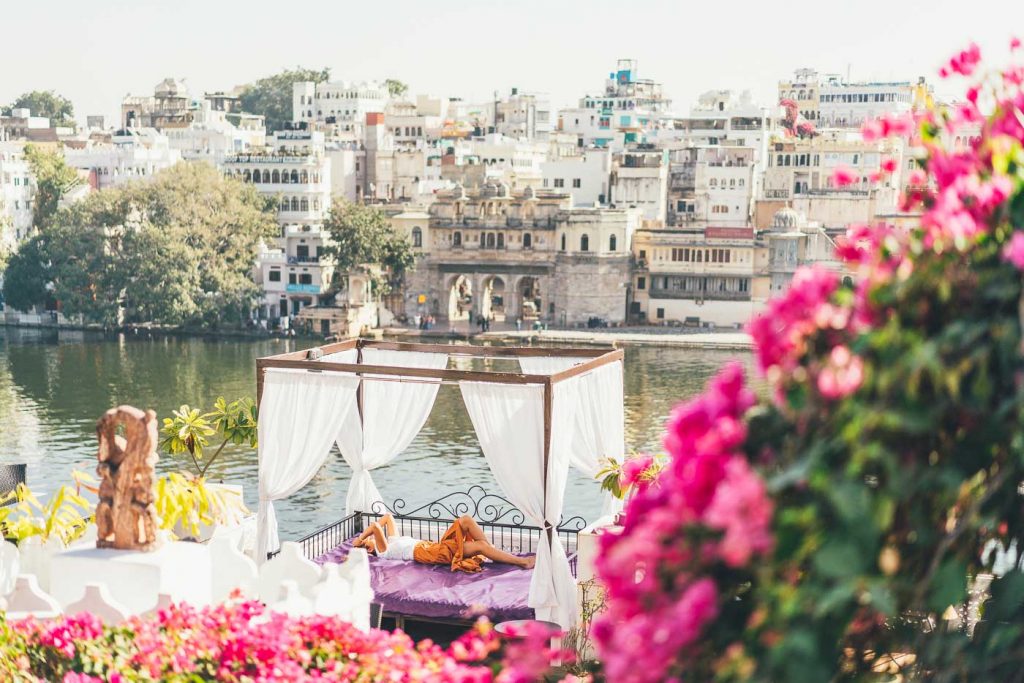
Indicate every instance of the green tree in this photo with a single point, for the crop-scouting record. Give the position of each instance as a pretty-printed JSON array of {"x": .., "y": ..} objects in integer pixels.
[
  {"x": 272, "y": 96},
  {"x": 396, "y": 88},
  {"x": 362, "y": 235},
  {"x": 176, "y": 250},
  {"x": 54, "y": 179},
  {"x": 47, "y": 103},
  {"x": 25, "y": 276}
]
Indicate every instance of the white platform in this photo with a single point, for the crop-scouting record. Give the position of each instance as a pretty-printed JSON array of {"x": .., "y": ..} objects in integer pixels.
[{"x": 181, "y": 570}]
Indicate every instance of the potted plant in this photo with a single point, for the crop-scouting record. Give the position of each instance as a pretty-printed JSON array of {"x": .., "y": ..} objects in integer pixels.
[
  {"x": 40, "y": 529},
  {"x": 196, "y": 505},
  {"x": 638, "y": 472},
  {"x": 191, "y": 508}
]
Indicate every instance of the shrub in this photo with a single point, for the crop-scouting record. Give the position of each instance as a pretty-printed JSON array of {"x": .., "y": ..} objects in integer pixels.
[{"x": 891, "y": 449}]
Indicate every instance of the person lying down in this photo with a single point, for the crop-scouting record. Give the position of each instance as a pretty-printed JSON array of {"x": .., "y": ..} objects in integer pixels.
[{"x": 463, "y": 546}]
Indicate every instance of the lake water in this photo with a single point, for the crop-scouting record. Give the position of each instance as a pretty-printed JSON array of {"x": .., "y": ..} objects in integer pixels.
[{"x": 53, "y": 387}]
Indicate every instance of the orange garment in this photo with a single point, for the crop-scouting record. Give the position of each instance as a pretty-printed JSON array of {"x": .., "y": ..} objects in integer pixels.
[{"x": 448, "y": 551}]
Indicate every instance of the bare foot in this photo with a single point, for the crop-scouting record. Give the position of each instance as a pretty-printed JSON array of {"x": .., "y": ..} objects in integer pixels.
[{"x": 529, "y": 562}]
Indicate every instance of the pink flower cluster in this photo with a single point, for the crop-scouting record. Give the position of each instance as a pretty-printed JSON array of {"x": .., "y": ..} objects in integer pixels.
[
  {"x": 708, "y": 510},
  {"x": 243, "y": 641}
]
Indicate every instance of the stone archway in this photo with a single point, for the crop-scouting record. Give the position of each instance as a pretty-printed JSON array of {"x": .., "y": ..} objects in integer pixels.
[
  {"x": 492, "y": 299},
  {"x": 460, "y": 298},
  {"x": 531, "y": 304}
]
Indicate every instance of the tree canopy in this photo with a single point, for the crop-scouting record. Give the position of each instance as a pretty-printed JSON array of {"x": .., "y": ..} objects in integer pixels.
[
  {"x": 177, "y": 250},
  {"x": 272, "y": 96},
  {"x": 54, "y": 179},
  {"x": 396, "y": 88},
  {"x": 361, "y": 235},
  {"x": 47, "y": 103}
]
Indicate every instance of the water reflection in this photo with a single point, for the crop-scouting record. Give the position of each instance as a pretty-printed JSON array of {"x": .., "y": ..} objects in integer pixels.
[{"x": 54, "y": 387}]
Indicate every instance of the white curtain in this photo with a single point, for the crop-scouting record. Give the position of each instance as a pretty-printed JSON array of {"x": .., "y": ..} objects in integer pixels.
[
  {"x": 509, "y": 423},
  {"x": 393, "y": 414},
  {"x": 298, "y": 421},
  {"x": 600, "y": 420}
]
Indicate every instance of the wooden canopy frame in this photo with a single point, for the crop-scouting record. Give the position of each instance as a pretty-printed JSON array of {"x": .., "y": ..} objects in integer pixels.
[{"x": 312, "y": 360}]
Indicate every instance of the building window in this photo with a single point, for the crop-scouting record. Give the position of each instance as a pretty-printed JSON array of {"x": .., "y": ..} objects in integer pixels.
[
  {"x": 559, "y": 182},
  {"x": 417, "y": 237},
  {"x": 643, "y": 253},
  {"x": 585, "y": 243},
  {"x": 613, "y": 243},
  {"x": 305, "y": 279},
  {"x": 275, "y": 276},
  {"x": 501, "y": 240},
  {"x": 457, "y": 239},
  {"x": 527, "y": 240},
  {"x": 291, "y": 279},
  {"x": 576, "y": 182},
  {"x": 661, "y": 314},
  {"x": 563, "y": 241},
  {"x": 641, "y": 283}
]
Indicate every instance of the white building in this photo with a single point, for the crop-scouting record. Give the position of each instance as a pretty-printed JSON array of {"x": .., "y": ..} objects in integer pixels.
[
  {"x": 17, "y": 191},
  {"x": 712, "y": 186},
  {"x": 623, "y": 113},
  {"x": 132, "y": 154},
  {"x": 640, "y": 180},
  {"x": 215, "y": 134},
  {"x": 338, "y": 108},
  {"x": 474, "y": 162},
  {"x": 294, "y": 170},
  {"x": 524, "y": 116},
  {"x": 586, "y": 176},
  {"x": 719, "y": 118},
  {"x": 832, "y": 101}
]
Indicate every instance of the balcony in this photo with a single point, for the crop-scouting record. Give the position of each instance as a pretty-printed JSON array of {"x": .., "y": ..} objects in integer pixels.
[
  {"x": 659, "y": 293},
  {"x": 776, "y": 194},
  {"x": 305, "y": 289},
  {"x": 292, "y": 260}
]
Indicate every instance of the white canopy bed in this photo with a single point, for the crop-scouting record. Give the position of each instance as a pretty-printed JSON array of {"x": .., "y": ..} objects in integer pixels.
[{"x": 371, "y": 398}]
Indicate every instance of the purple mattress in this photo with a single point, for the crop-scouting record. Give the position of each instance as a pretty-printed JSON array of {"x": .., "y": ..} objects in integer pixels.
[{"x": 436, "y": 592}]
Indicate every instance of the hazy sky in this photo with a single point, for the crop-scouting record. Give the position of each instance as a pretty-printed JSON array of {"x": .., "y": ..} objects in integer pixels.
[{"x": 97, "y": 51}]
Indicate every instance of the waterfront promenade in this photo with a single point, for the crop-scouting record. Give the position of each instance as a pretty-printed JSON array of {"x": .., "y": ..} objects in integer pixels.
[{"x": 630, "y": 336}]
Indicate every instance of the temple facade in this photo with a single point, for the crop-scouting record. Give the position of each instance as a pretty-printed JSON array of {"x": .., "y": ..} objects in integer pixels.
[{"x": 525, "y": 255}]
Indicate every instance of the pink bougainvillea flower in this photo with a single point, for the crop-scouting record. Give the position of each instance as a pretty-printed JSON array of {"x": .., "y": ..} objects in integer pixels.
[
  {"x": 1014, "y": 250},
  {"x": 633, "y": 469},
  {"x": 842, "y": 375},
  {"x": 742, "y": 509},
  {"x": 843, "y": 176},
  {"x": 889, "y": 165},
  {"x": 963, "y": 62},
  {"x": 1014, "y": 43}
]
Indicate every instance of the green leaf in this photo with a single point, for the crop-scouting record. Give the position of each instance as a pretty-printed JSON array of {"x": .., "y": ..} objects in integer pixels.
[
  {"x": 949, "y": 587},
  {"x": 839, "y": 557}
]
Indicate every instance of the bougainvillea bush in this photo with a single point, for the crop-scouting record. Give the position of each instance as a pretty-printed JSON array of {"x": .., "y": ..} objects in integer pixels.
[
  {"x": 824, "y": 532},
  {"x": 243, "y": 641}
]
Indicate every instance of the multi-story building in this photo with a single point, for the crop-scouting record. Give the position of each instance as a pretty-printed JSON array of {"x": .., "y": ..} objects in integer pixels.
[
  {"x": 170, "y": 106},
  {"x": 799, "y": 176},
  {"x": 831, "y": 101},
  {"x": 17, "y": 192},
  {"x": 585, "y": 175},
  {"x": 519, "y": 255},
  {"x": 695, "y": 276},
  {"x": 790, "y": 242},
  {"x": 639, "y": 179},
  {"x": 131, "y": 154},
  {"x": 719, "y": 118},
  {"x": 214, "y": 133},
  {"x": 712, "y": 186},
  {"x": 624, "y": 113},
  {"x": 338, "y": 108},
  {"x": 292, "y": 169},
  {"x": 524, "y": 116},
  {"x": 475, "y": 161}
]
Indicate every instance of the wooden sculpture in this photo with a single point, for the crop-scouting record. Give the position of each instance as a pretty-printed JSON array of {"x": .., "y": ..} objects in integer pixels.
[{"x": 126, "y": 514}]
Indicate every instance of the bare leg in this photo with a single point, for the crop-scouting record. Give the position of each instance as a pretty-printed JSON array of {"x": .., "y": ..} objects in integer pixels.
[
  {"x": 471, "y": 528},
  {"x": 388, "y": 522},
  {"x": 490, "y": 552}
]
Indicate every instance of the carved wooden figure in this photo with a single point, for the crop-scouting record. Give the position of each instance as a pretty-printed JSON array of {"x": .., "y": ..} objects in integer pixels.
[{"x": 126, "y": 514}]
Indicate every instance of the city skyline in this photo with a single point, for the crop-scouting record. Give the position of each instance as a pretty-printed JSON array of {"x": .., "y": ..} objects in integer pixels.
[{"x": 434, "y": 50}]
